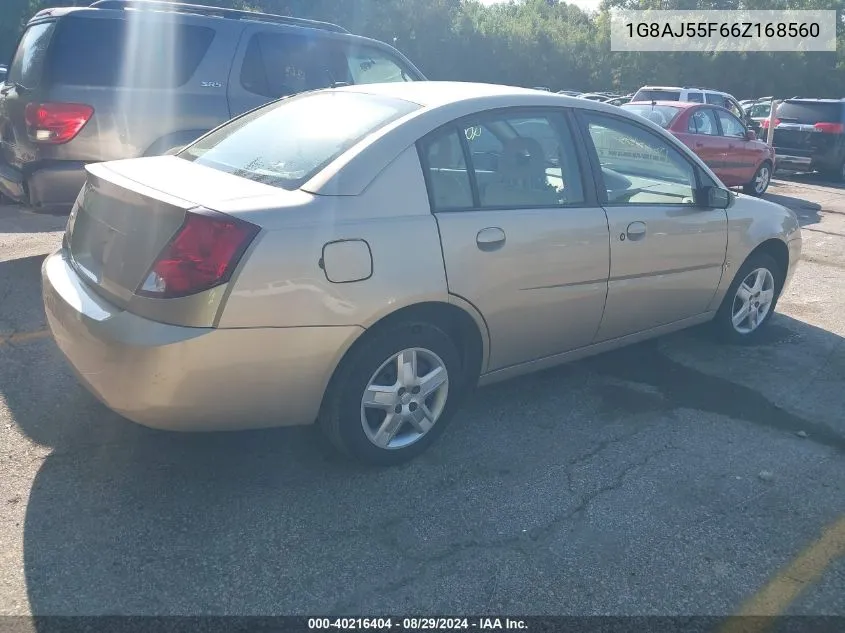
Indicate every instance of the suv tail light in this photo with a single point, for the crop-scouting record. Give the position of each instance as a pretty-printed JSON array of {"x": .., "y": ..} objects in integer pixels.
[
  {"x": 765, "y": 123},
  {"x": 56, "y": 123},
  {"x": 201, "y": 255},
  {"x": 830, "y": 128}
]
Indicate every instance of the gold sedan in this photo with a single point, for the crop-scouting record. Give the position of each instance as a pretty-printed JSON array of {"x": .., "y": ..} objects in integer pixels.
[{"x": 362, "y": 257}]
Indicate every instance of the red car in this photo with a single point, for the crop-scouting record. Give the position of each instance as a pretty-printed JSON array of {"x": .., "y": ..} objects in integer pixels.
[{"x": 718, "y": 137}]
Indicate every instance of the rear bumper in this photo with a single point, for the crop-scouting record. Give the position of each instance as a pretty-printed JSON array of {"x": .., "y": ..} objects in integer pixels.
[
  {"x": 787, "y": 162},
  {"x": 53, "y": 185},
  {"x": 189, "y": 379}
]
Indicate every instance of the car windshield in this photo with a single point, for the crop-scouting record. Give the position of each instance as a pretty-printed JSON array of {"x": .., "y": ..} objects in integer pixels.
[
  {"x": 288, "y": 142},
  {"x": 657, "y": 95},
  {"x": 663, "y": 115}
]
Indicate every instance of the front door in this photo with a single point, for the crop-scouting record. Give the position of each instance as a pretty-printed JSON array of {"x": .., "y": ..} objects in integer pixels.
[
  {"x": 666, "y": 252},
  {"x": 741, "y": 157},
  {"x": 522, "y": 241}
]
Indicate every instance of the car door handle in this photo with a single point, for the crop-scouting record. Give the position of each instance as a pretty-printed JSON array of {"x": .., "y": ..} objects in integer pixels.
[
  {"x": 490, "y": 239},
  {"x": 699, "y": 144},
  {"x": 635, "y": 231}
]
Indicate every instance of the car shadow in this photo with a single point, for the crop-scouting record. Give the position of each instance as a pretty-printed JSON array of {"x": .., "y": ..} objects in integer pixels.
[
  {"x": 807, "y": 211},
  {"x": 16, "y": 218},
  {"x": 813, "y": 178},
  {"x": 125, "y": 520}
]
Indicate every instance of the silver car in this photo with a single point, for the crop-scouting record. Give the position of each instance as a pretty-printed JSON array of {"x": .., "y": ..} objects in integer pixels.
[{"x": 362, "y": 257}]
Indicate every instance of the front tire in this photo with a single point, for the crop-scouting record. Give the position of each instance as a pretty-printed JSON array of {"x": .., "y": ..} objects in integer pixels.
[
  {"x": 751, "y": 300},
  {"x": 394, "y": 394},
  {"x": 761, "y": 180}
]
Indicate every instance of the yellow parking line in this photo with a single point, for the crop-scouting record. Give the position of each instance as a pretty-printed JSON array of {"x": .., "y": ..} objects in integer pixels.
[
  {"x": 789, "y": 583},
  {"x": 23, "y": 337}
]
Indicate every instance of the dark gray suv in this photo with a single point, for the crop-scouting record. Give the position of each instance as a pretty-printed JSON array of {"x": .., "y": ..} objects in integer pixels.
[{"x": 128, "y": 78}]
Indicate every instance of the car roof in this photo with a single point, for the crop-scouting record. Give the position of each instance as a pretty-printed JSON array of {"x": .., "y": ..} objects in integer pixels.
[
  {"x": 681, "y": 105},
  {"x": 437, "y": 93}
]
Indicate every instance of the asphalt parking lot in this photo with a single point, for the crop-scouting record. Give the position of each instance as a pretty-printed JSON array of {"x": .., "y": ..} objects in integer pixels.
[{"x": 674, "y": 477}]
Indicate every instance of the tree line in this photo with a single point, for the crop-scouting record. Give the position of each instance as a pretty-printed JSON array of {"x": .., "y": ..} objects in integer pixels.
[{"x": 543, "y": 43}]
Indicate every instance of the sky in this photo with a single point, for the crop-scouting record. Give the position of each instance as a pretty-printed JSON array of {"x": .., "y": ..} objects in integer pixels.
[{"x": 587, "y": 5}]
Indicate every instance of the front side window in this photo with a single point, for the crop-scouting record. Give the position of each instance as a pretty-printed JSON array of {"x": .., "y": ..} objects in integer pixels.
[
  {"x": 703, "y": 121},
  {"x": 28, "y": 62},
  {"x": 286, "y": 143},
  {"x": 715, "y": 99},
  {"x": 760, "y": 110},
  {"x": 638, "y": 167},
  {"x": 731, "y": 126}
]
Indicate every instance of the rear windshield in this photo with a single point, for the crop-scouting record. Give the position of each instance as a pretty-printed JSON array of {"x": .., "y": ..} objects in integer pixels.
[
  {"x": 149, "y": 53},
  {"x": 660, "y": 114},
  {"x": 286, "y": 143},
  {"x": 657, "y": 95},
  {"x": 810, "y": 112},
  {"x": 28, "y": 62}
]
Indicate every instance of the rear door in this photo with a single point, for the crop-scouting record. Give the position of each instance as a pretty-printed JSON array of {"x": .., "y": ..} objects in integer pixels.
[
  {"x": 23, "y": 84},
  {"x": 523, "y": 238}
]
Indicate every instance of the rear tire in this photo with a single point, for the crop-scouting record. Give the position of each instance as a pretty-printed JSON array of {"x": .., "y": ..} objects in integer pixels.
[
  {"x": 412, "y": 376},
  {"x": 761, "y": 180},
  {"x": 750, "y": 301}
]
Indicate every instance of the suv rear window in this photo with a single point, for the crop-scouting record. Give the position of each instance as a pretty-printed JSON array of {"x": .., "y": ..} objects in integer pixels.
[
  {"x": 28, "y": 62},
  {"x": 286, "y": 143},
  {"x": 657, "y": 95},
  {"x": 810, "y": 112},
  {"x": 138, "y": 53}
]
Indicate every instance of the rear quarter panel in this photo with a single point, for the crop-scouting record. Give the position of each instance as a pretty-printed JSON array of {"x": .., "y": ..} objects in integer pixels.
[{"x": 282, "y": 283}]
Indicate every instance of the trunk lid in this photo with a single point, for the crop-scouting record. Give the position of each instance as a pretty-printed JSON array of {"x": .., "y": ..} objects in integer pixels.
[{"x": 129, "y": 210}]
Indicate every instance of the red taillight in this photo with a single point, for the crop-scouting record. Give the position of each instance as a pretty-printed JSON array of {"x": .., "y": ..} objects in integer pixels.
[
  {"x": 765, "y": 123},
  {"x": 56, "y": 122},
  {"x": 201, "y": 255},
  {"x": 830, "y": 128}
]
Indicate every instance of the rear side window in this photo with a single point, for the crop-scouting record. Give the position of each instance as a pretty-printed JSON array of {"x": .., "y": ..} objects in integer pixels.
[
  {"x": 657, "y": 95},
  {"x": 809, "y": 112},
  {"x": 148, "y": 53},
  {"x": 286, "y": 143},
  {"x": 283, "y": 64},
  {"x": 695, "y": 97},
  {"x": 28, "y": 63},
  {"x": 278, "y": 65}
]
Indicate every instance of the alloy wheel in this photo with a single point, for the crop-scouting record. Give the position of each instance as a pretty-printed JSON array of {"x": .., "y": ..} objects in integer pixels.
[
  {"x": 404, "y": 398},
  {"x": 753, "y": 300}
]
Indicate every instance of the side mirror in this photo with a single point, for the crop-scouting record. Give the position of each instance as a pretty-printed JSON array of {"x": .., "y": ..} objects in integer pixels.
[
  {"x": 714, "y": 197},
  {"x": 751, "y": 135}
]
